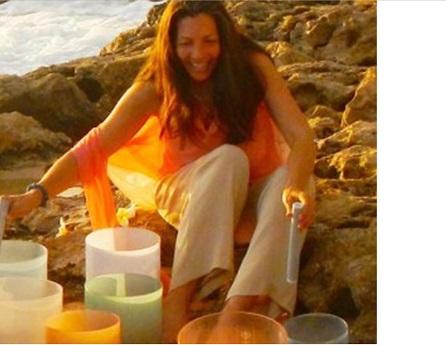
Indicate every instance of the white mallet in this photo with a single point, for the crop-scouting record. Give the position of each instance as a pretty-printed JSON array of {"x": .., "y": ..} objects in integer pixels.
[
  {"x": 4, "y": 206},
  {"x": 293, "y": 246}
]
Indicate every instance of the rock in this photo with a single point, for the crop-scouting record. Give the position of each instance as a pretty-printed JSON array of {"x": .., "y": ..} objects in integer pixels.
[
  {"x": 339, "y": 268},
  {"x": 323, "y": 126},
  {"x": 342, "y": 33},
  {"x": 356, "y": 187},
  {"x": 323, "y": 120},
  {"x": 324, "y": 112},
  {"x": 338, "y": 209},
  {"x": 23, "y": 141},
  {"x": 284, "y": 54},
  {"x": 114, "y": 74},
  {"x": 363, "y": 104},
  {"x": 53, "y": 100},
  {"x": 23, "y": 133},
  {"x": 320, "y": 33},
  {"x": 321, "y": 83},
  {"x": 359, "y": 133},
  {"x": 88, "y": 89},
  {"x": 354, "y": 162}
]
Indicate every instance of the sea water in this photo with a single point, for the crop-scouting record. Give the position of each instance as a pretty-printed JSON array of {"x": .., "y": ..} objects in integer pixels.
[{"x": 36, "y": 33}]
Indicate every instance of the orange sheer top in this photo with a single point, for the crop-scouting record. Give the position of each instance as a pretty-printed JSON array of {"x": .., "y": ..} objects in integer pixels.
[{"x": 149, "y": 155}]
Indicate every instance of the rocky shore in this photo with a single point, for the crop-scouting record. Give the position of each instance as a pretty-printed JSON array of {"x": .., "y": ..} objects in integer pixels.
[{"x": 325, "y": 50}]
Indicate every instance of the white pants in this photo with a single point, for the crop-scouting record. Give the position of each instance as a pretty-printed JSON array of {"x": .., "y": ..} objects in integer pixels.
[{"x": 206, "y": 201}]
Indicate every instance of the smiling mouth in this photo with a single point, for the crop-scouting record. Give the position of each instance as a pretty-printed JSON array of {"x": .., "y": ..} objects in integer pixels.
[{"x": 199, "y": 67}]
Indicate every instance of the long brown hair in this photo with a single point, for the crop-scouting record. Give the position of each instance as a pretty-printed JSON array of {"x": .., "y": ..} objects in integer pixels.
[{"x": 237, "y": 89}]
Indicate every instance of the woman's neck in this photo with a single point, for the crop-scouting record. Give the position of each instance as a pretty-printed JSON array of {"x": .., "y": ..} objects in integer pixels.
[{"x": 203, "y": 92}]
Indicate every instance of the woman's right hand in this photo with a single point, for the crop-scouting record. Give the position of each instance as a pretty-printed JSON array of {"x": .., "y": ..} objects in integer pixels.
[{"x": 22, "y": 204}]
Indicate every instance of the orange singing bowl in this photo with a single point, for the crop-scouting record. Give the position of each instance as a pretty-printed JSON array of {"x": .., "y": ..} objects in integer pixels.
[{"x": 83, "y": 327}]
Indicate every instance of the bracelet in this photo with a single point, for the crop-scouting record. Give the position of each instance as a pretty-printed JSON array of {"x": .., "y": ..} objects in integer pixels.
[{"x": 42, "y": 190}]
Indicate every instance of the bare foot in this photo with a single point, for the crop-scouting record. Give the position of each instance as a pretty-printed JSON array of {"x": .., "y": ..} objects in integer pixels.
[
  {"x": 255, "y": 304},
  {"x": 173, "y": 320},
  {"x": 176, "y": 307}
]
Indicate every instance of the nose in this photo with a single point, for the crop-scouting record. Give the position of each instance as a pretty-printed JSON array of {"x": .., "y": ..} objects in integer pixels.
[{"x": 198, "y": 51}]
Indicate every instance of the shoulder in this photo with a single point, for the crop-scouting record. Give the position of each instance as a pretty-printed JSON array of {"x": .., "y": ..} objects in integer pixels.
[
  {"x": 263, "y": 65},
  {"x": 144, "y": 90},
  {"x": 266, "y": 69},
  {"x": 260, "y": 60},
  {"x": 144, "y": 94}
]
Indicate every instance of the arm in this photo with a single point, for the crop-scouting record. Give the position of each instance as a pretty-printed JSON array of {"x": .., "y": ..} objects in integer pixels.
[
  {"x": 295, "y": 129},
  {"x": 127, "y": 117}
]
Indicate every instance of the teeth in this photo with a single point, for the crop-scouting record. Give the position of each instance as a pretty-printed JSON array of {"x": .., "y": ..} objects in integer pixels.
[{"x": 199, "y": 66}]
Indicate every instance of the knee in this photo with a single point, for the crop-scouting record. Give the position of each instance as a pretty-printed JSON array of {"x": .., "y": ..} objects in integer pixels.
[{"x": 232, "y": 157}]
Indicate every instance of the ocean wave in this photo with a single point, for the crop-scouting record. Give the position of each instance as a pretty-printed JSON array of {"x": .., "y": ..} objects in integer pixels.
[{"x": 38, "y": 33}]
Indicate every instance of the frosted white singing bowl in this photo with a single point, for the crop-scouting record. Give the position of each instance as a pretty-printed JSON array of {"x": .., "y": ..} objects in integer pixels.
[
  {"x": 122, "y": 250},
  {"x": 25, "y": 305},
  {"x": 23, "y": 258},
  {"x": 317, "y": 328}
]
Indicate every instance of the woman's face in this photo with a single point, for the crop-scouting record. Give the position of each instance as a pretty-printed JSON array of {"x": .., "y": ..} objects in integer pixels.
[{"x": 198, "y": 45}]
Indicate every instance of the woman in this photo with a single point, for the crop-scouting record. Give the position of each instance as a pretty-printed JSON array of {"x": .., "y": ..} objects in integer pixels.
[{"x": 198, "y": 129}]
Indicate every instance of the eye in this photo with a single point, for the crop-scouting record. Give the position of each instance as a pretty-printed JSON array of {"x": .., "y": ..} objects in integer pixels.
[
  {"x": 212, "y": 40},
  {"x": 184, "y": 43}
]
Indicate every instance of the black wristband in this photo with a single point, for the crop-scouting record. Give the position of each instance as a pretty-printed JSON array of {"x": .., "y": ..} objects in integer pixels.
[{"x": 42, "y": 190}]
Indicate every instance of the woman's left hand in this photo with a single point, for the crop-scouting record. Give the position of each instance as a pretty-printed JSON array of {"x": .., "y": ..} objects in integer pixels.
[{"x": 306, "y": 217}]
